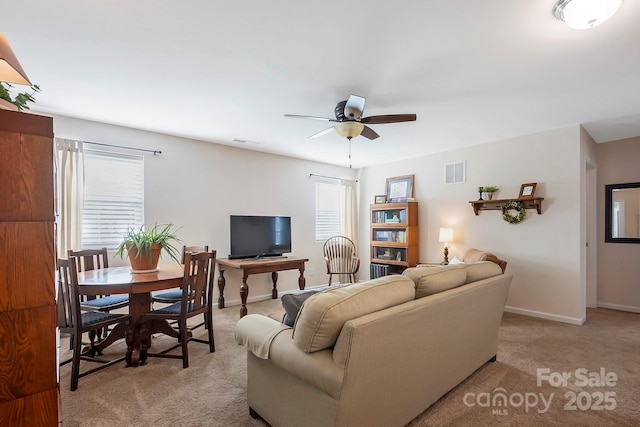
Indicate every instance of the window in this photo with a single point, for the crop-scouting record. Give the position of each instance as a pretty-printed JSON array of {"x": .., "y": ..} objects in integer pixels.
[
  {"x": 113, "y": 197},
  {"x": 328, "y": 209}
]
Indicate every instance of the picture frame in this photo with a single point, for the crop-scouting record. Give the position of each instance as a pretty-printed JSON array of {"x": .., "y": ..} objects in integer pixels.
[
  {"x": 399, "y": 188},
  {"x": 527, "y": 191},
  {"x": 380, "y": 198}
]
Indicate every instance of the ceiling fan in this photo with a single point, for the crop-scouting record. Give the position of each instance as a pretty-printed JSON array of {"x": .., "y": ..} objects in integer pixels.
[{"x": 349, "y": 120}]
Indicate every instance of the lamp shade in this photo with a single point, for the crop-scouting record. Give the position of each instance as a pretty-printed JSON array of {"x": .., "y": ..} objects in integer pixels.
[
  {"x": 581, "y": 14},
  {"x": 446, "y": 235},
  {"x": 349, "y": 129},
  {"x": 10, "y": 69}
]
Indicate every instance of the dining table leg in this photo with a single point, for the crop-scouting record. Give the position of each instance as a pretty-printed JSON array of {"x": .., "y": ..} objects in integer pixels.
[
  {"x": 221, "y": 285},
  {"x": 244, "y": 293},
  {"x": 140, "y": 303}
]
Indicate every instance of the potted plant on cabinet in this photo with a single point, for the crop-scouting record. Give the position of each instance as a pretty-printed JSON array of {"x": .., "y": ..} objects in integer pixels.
[
  {"x": 144, "y": 246},
  {"x": 489, "y": 190}
]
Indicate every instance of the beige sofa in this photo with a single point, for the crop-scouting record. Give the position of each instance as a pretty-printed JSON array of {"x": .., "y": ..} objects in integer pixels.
[{"x": 376, "y": 353}]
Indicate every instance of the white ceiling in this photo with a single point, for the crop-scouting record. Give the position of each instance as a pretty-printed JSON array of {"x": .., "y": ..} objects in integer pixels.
[{"x": 473, "y": 71}]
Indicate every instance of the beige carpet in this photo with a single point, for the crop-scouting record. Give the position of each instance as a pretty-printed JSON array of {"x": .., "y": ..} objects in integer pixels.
[{"x": 211, "y": 392}]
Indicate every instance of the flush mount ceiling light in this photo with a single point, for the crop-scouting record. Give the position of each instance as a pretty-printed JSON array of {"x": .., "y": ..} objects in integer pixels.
[{"x": 581, "y": 14}]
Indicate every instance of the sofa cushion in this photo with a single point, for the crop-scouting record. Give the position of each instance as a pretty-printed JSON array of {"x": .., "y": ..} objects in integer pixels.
[
  {"x": 293, "y": 302},
  {"x": 443, "y": 280},
  {"x": 482, "y": 270},
  {"x": 322, "y": 315},
  {"x": 421, "y": 270}
]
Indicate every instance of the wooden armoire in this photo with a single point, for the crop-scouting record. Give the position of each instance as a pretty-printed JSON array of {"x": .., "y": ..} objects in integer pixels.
[{"x": 28, "y": 353}]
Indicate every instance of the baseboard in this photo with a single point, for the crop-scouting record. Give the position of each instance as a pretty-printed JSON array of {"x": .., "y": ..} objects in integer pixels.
[
  {"x": 547, "y": 316},
  {"x": 258, "y": 298},
  {"x": 618, "y": 307},
  {"x": 237, "y": 302}
]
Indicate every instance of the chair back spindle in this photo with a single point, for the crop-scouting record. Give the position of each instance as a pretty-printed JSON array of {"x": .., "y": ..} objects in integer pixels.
[{"x": 90, "y": 259}]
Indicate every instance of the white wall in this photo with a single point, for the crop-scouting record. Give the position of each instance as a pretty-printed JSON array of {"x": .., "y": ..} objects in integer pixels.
[
  {"x": 197, "y": 185},
  {"x": 588, "y": 219},
  {"x": 618, "y": 263},
  {"x": 543, "y": 252}
]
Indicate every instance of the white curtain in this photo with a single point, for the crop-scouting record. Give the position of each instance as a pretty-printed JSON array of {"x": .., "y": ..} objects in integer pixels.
[
  {"x": 70, "y": 191},
  {"x": 350, "y": 216},
  {"x": 350, "y": 211}
]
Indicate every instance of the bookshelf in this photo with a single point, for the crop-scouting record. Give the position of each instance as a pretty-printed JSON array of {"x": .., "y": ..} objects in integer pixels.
[{"x": 394, "y": 237}]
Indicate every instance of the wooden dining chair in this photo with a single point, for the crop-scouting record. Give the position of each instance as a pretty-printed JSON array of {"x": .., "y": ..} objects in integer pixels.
[
  {"x": 196, "y": 299},
  {"x": 73, "y": 321},
  {"x": 340, "y": 257},
  {"x": 175, "y": 295},
  {"x": 93, "y": 259}
]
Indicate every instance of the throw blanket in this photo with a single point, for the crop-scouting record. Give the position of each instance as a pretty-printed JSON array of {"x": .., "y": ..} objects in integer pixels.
[{"x": 258, "y": 334}]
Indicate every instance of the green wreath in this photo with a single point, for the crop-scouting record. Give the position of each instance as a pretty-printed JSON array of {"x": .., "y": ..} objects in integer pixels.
[{"x": 513, "y": 219}]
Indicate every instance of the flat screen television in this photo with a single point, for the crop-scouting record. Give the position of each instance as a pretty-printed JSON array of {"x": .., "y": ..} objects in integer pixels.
[{"x": 259, "y": 236}]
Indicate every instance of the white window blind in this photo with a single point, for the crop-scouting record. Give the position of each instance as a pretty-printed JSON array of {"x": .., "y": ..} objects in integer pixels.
[
  {"x": 113, "y": 197},
  {"x": 329, "y": 209}
]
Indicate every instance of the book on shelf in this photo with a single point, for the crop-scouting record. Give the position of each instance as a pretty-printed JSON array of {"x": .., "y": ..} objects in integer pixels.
[{"x": 390, "y": 236}]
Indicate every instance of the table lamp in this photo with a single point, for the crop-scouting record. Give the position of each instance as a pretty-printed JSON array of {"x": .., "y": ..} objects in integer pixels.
[
  {"x": 10, "y": 69},
  {"x": 446, "y": 236}
]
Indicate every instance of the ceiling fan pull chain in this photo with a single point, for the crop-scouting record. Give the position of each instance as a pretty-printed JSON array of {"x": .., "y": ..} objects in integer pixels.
[{"x": 349, "y": 153}]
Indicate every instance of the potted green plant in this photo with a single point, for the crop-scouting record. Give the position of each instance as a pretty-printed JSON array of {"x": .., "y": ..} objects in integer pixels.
[
  {"x": 490, "y": 189},
  {"x": 19, "y": 102},
  {"x": 144, "y": 246}
]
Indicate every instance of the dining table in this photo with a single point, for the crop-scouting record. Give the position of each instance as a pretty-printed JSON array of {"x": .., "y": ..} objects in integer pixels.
[{"x": 139, "y": 286}]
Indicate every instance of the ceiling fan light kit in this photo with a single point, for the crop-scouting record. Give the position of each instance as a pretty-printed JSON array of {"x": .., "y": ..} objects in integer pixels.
[
  {"x": 582, "y": 14},
  {"x": 349, "y": 129},
  {"x": 349, "y": 120}
]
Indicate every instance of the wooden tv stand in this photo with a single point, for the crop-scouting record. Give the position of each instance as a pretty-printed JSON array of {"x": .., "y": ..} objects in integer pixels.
[{"x": 251, "y": 266}]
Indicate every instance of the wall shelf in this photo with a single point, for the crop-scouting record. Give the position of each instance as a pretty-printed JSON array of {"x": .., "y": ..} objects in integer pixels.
[{"x": 496, "y": 205}]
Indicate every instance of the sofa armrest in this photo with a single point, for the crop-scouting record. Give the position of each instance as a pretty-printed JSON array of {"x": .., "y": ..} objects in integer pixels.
[
  {"x": 317, "y": 369},
  {"x": 256, "y": 332},
  {"x": 271, "y": 340}
]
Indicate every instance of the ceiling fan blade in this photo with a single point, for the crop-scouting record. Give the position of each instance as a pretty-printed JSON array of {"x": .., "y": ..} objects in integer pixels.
[
  {"x": 296, "y": 116},
  {"x": 323, "y": 132},
  {"x": 389, "y": 118},
  {"x": 354, "y": 108},
  {"x": 369, "y": 133}
]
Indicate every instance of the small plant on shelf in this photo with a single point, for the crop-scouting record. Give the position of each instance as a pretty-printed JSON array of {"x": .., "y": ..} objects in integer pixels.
[{"x": 489, "y": 190}]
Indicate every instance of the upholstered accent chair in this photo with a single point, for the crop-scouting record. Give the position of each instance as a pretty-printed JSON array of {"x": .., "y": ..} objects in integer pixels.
[{"x": 475, "y": 255}]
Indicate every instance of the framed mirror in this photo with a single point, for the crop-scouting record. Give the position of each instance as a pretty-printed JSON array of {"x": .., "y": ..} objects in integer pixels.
[{"x": 622, "y": 213}]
